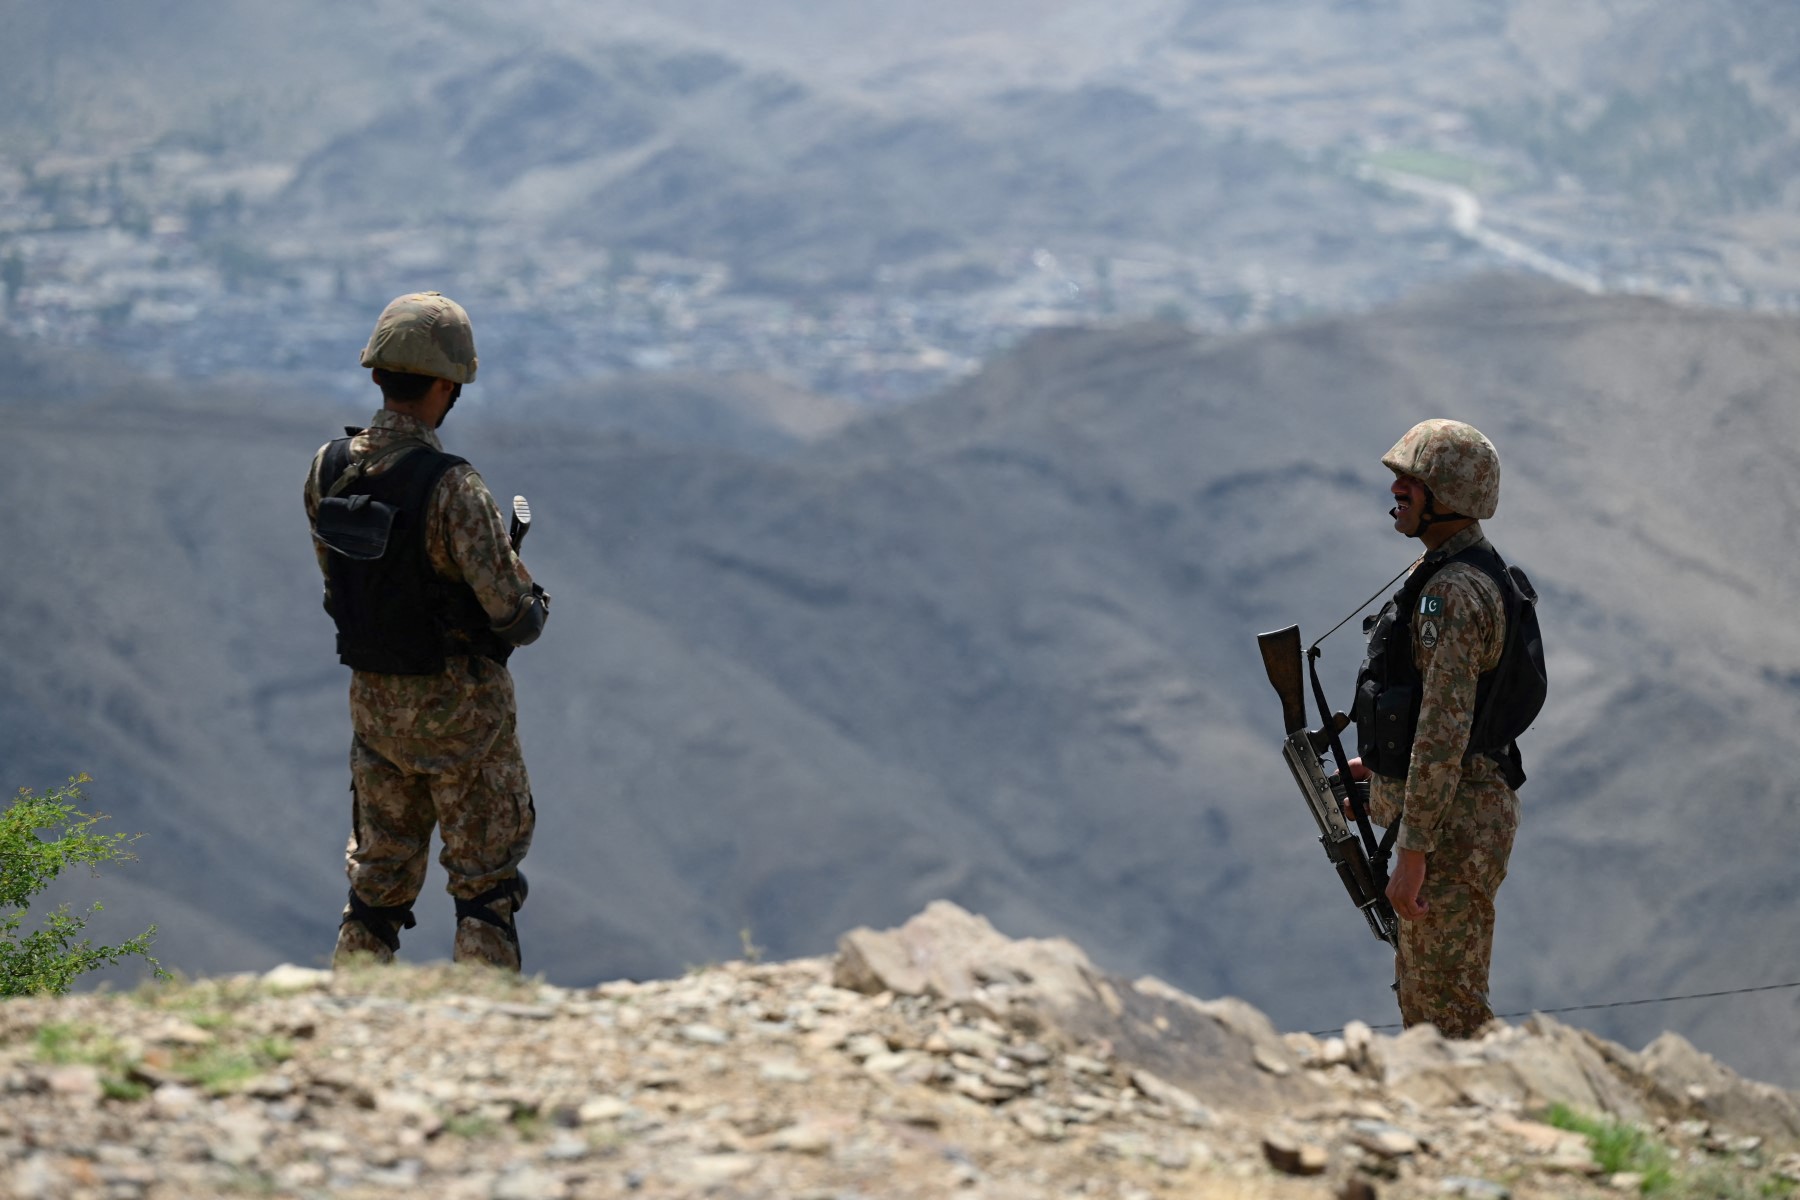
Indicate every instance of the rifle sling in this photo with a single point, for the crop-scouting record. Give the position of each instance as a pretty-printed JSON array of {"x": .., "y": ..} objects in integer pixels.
[{"x": 1377, "y": 850}]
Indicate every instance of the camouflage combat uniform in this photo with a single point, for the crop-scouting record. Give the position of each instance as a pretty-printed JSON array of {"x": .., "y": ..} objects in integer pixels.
[
  {"x": 439, "y": 749},
  {"x": 1462, "y": 815}
]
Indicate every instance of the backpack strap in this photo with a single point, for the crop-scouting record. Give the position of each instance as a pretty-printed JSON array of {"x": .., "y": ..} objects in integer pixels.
[
  {"x": 344, "y": 477},
  {"x": 337, "y": 457}
]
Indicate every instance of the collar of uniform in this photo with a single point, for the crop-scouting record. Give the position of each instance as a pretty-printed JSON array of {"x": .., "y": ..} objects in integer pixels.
[
  {"x": 389, "y": 425},
  {"x": 1463, "y": 540}
]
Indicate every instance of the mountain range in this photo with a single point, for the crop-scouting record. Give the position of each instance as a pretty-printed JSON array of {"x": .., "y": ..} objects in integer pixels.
[
  {"x": 994, "y": 646},
  {"x": 799, "y": 189}
]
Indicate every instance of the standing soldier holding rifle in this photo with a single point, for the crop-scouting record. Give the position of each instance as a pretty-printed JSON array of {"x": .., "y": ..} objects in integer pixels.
[
  {"x": 429, "y": 596},
  {"x": 1453, "y": 674}
]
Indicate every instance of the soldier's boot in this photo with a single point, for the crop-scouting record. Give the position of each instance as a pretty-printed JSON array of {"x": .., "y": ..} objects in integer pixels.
[
  {"x": 485, "y": 929},
  {"x": 370, "y": 930}
]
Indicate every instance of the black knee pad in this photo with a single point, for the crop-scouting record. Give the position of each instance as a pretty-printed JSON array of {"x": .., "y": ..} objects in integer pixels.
[
  {"x": 384, "y": 921},
  {"x": 479, "y": 908}
]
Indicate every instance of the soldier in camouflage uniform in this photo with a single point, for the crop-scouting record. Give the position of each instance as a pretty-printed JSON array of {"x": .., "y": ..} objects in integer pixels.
[
  {"x": 1457, "y": 812},
  {"x": 429, "y": 597}
]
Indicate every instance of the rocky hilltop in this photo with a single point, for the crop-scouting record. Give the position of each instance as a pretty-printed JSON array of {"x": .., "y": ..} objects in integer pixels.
[{"x": 939, "y": 1058}]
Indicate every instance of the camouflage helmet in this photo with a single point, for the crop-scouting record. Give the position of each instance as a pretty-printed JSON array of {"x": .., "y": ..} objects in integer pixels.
[
  {"x": 424, "y": 333},
  {"x": 1454, "y": 460}
]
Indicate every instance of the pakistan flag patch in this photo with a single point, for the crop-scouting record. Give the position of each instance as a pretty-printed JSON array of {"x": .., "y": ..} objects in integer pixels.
[{"x": 1431, "y": 606}]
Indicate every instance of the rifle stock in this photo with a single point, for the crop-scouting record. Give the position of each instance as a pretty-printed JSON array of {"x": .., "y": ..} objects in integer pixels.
[
  {"x": 521, "y": 523},
  {"x": 1281, "y": 659}
]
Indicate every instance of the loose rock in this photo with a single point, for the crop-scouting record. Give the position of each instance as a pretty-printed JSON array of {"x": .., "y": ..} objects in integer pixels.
[{"x": 1293, "y": 1157}]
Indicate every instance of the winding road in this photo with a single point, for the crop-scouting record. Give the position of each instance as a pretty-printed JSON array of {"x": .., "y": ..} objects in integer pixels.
[{"x": 1464, "y": 215}]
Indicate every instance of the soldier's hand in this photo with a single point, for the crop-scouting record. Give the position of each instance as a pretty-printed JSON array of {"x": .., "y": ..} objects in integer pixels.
[
  {"x": 1358, "y": 773},
  {"x": 1404, "y": 885}
]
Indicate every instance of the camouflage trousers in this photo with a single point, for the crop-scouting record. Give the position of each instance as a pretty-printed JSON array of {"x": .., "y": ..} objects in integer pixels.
[
  {"x": 437, "y": 752},
  {"x": 1442, "y": 963}
]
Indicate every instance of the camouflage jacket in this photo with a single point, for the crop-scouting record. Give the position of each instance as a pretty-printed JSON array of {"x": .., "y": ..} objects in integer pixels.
[
  {"x": 1460, "y": 639},
  {"x": 466, "y": 541}
]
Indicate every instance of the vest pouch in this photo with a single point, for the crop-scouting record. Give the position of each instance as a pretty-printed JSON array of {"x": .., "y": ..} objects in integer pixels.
[
  {"x": 1386, "y": 738},
  {"x": 356, "y": 527}
]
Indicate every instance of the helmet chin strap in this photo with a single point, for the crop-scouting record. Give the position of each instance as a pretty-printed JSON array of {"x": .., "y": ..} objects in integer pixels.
[
  {"x": 455, "y": 394},
  {"x": 1430, "y": 516}
]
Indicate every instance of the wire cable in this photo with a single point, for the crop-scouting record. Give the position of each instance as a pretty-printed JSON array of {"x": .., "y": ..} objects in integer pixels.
[
  {"x": 1767, "y": 987},
  {"x": 1372, "y": 599}
]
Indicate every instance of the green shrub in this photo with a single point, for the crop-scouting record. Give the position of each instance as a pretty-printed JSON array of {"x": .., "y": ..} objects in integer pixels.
[
  {"x": 1620, "y": 1148},
  {"x": 51, "y": 957}
]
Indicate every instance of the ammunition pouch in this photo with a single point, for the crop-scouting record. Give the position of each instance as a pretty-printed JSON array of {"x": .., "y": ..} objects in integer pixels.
[
  {"x": 355, "y": 526},
  {"x": 1386, "y": 720}
]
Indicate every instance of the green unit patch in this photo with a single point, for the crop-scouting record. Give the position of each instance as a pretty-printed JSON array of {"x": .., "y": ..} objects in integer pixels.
[{"x": 1431, "y": 606}]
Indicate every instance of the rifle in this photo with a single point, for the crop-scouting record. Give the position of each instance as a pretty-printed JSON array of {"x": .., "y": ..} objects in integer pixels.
[
  {"x": 521, "y": 521},
  {"x": 1361, "y": 865}
]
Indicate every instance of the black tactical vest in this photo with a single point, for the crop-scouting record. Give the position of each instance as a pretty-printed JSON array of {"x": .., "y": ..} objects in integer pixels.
[
  {"x": 1507, "y": 698},
  {"x": 394, "y": 614}
]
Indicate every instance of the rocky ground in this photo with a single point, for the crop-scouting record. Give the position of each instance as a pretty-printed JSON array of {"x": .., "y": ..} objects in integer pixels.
[{"x": 939, "y": 1059}]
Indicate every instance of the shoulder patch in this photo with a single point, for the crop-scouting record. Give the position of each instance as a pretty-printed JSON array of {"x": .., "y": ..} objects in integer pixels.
[
  {"x": 1471, "y": 587},
  {"x": 1428, "y": 634},
  {"x": 1431, "y": 606}
]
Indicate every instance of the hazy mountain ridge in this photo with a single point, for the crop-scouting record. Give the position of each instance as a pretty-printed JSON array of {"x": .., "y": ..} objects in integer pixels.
[
  {"x": 1666, "y": 110},
  {"x": 79, "y": 70},
  {"x": 741, "y": 412},
  {"x": 997, "y": 647},
  {"x": 658, "y": 149}
]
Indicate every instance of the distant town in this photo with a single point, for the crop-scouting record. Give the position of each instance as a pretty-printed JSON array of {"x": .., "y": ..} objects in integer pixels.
[{"x": 173, "y": 262}]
